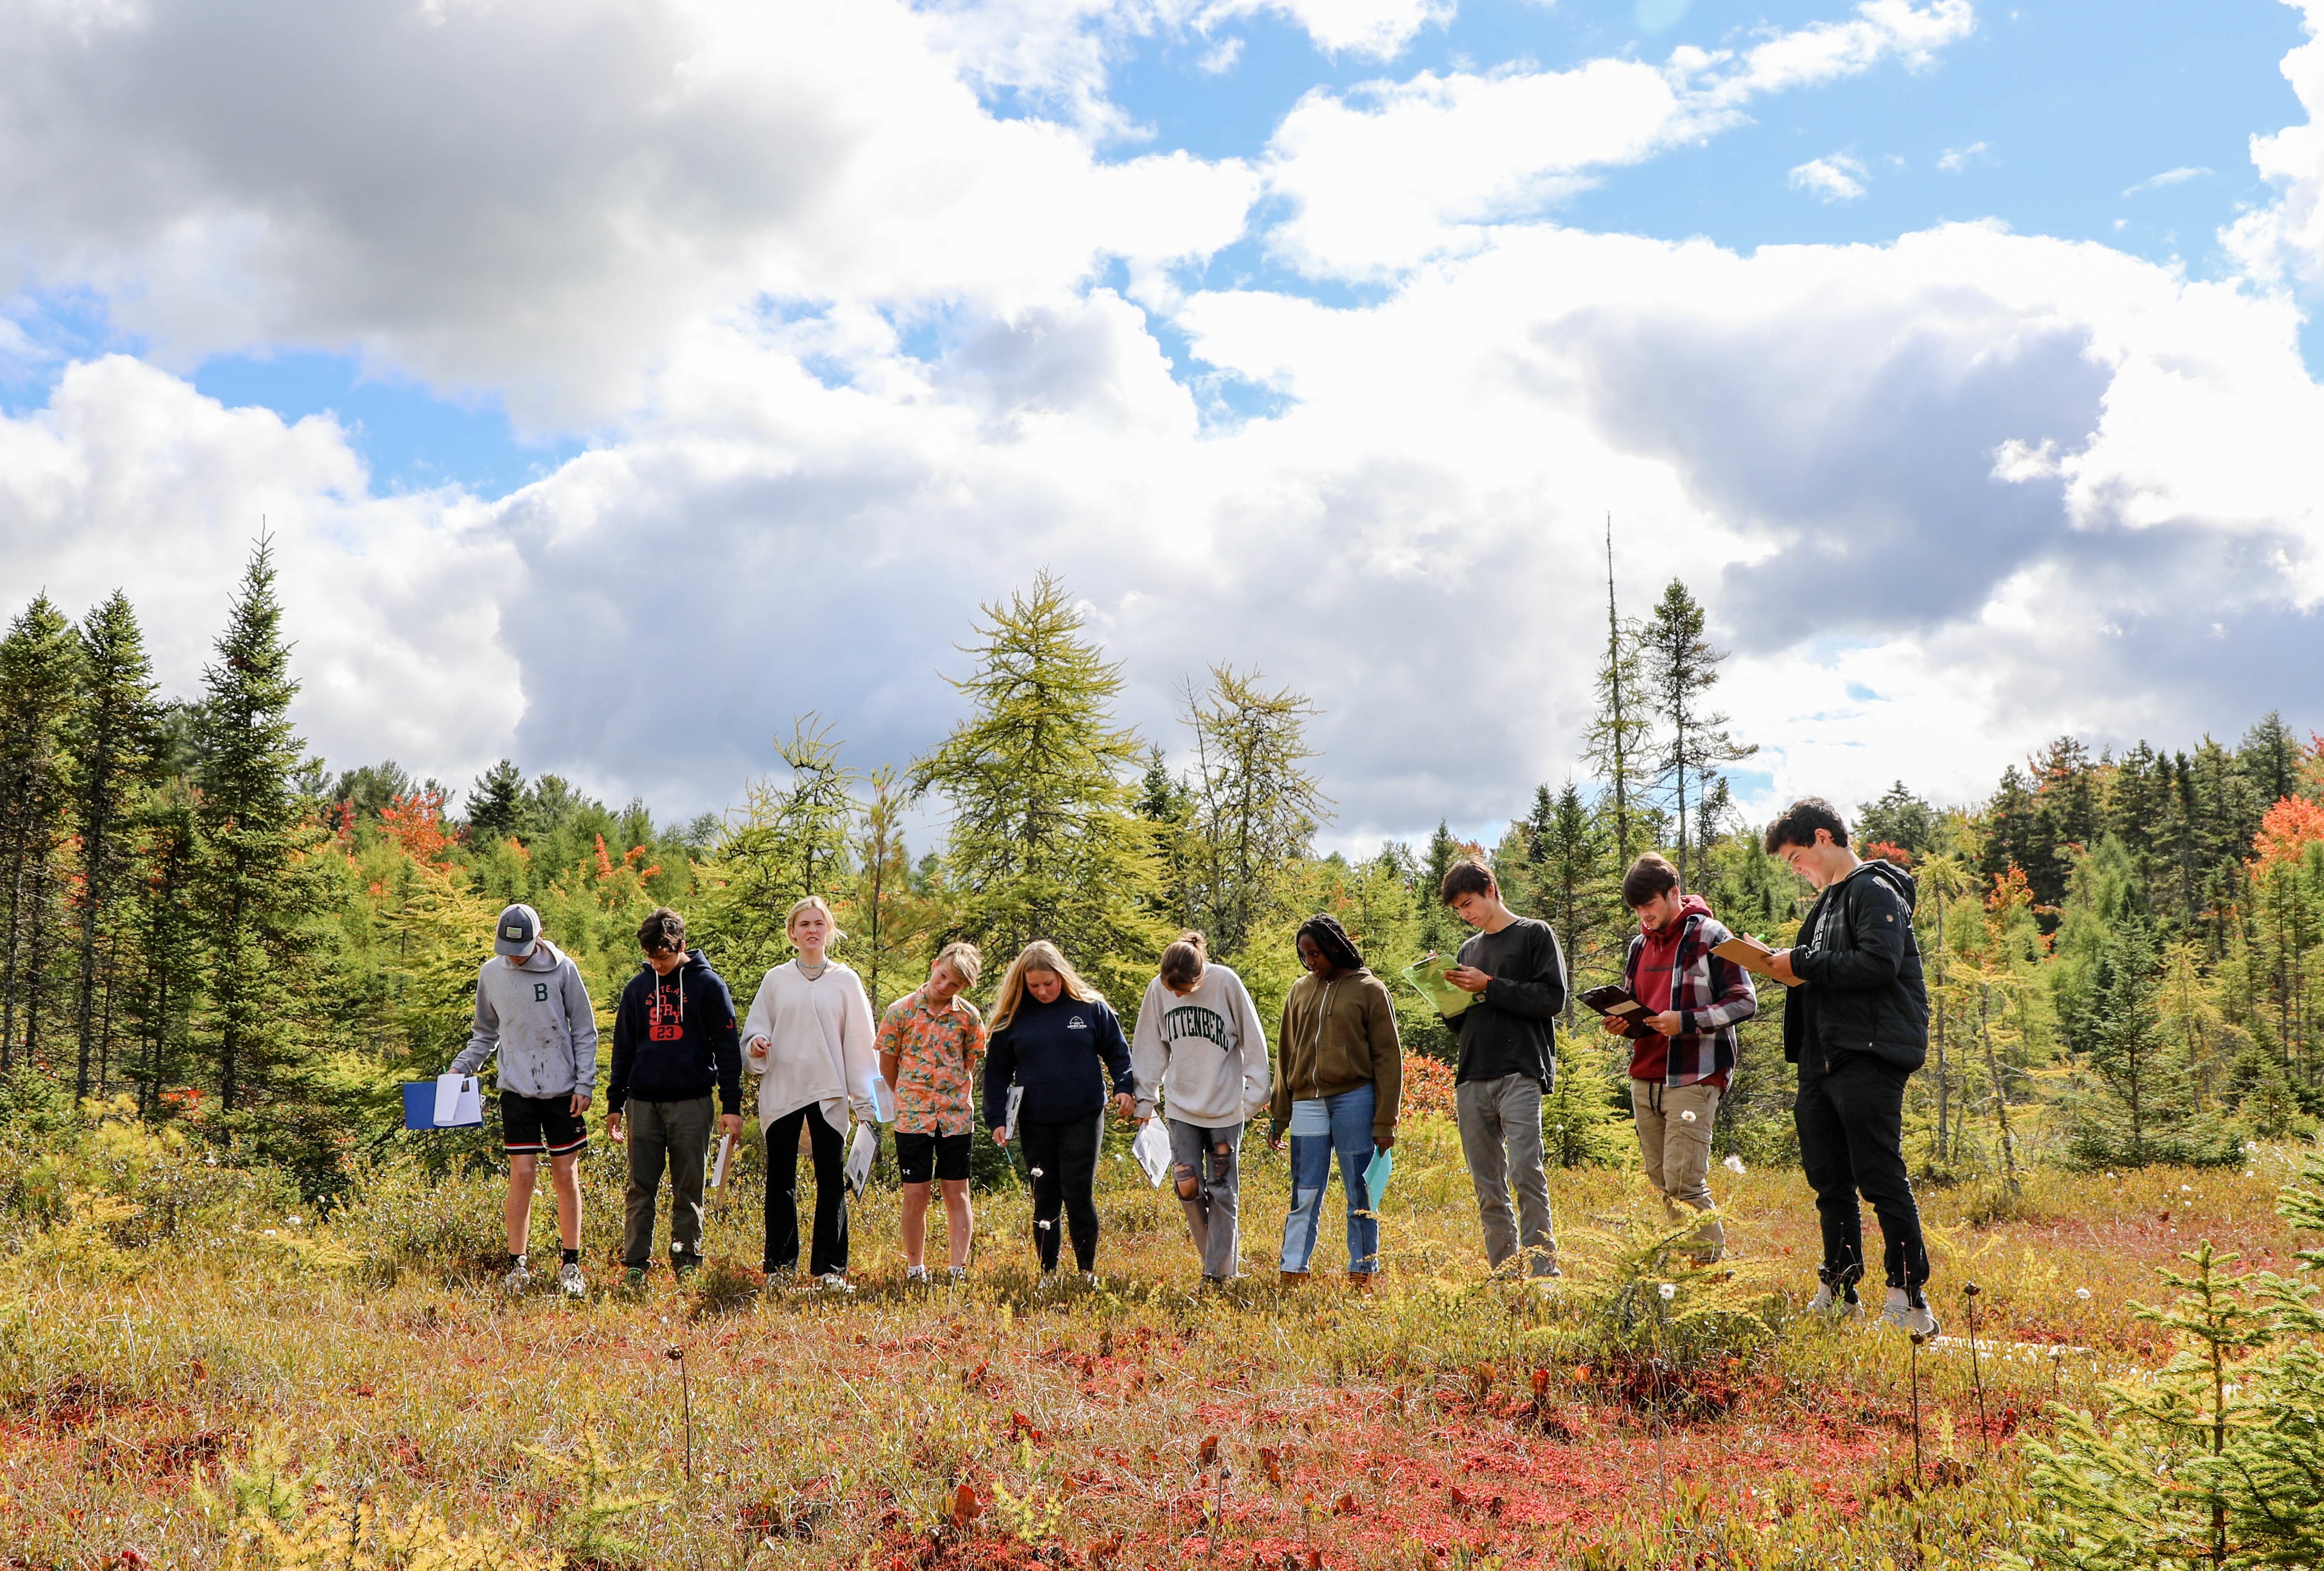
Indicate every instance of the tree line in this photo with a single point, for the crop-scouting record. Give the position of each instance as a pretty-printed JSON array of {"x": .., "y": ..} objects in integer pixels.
[{"x": 201, "y": 918}]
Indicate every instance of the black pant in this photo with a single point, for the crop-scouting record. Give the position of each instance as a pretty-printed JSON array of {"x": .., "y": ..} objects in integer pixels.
[
  {"x": 830, "y": 1251},
  {"x": 1851, "y": 1124},
  {"x": 1063, "y": 1161}
]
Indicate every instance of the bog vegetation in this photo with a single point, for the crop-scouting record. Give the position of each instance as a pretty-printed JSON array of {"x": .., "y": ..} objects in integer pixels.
[{"x": 246, "y": 1317}]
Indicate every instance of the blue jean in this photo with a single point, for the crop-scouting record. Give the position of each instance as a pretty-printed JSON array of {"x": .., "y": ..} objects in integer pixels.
[{"x": 1351, "y": 1115}]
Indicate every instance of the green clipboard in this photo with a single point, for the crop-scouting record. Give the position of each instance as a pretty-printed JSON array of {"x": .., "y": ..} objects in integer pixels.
[{"x": 1426, "y": 977}]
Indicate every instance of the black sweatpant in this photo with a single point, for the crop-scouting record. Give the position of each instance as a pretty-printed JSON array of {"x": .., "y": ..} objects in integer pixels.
[
  {"x": 1063, "y": 1159},
  {"x": 1851, "y": 1124},
  {"x": 830, "y": 1251}
]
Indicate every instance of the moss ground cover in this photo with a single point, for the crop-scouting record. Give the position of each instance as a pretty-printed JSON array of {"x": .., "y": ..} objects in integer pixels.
[{"x": 265, "y": 1388}]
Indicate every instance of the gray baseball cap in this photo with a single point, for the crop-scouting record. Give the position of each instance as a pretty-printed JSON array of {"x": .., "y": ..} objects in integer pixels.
[{"x": 517, "y": 931}]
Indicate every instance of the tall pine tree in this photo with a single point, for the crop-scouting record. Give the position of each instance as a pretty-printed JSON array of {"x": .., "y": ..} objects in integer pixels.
[
  {"x": 257, "y": 895},
  {"x": 1616, "y": 743},
  {"x": 1045, "y": 840},
  {"x": 1681, "y": 667},
  {"x": 40, "y": 678},
  {"x": 1256, "y": 801},
  {"x": 113, "y": 749}
]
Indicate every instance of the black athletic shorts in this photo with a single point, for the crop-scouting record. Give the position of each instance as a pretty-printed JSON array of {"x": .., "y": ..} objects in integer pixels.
[
  {"x": 532, "y": 1126},
  {"x": 917, "y": 1153}
]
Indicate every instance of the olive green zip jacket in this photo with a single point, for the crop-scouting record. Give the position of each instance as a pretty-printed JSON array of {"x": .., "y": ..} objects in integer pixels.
[{"x": 1336, "y": 1036}]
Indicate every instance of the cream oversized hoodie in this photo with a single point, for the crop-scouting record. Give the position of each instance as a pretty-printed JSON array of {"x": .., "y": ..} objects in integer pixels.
[
  {"x": 1203, "y": 1055},
  {"x": 820, "y": 1045}
]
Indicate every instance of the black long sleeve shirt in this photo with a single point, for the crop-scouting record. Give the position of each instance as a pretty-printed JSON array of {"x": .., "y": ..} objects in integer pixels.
[{"x": 1510, "y": 1028}]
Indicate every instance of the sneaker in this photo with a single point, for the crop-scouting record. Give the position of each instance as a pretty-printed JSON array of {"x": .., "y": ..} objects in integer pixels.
[
  {"x": 835, "y": 1282},
  {"x": 568, "y": 1278},
  {"x": 1908, "y": 1311},
  {"x": 779, "y": 1280},
  {"x": 915, "y": 1276},
  {"x": 633, "y": 1280},
  {"x": 684, "y": 1265},
  {"x": 517, "y": 1280},
  {"x": 1091, "y": 1277},
  {"x": 960, "y": 1276},
  {"x": 1842, "y": 1306}
]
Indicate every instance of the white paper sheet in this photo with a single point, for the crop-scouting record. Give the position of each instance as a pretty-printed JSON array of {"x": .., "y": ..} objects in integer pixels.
[
  {"x": 883, "y": 1100},
  {"x": 1152, "y": 1150},
  {"x": 718, "y": 1168},
  {"x": 459, "y": 1101},
  {"x": 859, "y": 1152},
  {"x": 1008, "y": 1118}
]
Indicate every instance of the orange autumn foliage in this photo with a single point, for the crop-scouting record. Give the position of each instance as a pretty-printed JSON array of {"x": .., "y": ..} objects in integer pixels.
[
  {"x": 2287, "y": 829},
  {"x": 416, "y": 824}
]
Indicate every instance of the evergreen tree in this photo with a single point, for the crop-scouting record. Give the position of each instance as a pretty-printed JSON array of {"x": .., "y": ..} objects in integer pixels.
[
  {"x": 2140, "y": 1108},
  {"x": 1440, "y": 930},
  {"x": 1574, "y": 891},
  {"x": 1045, "y": 841},
  {"x": 1681, "y": 668},
  {"x": 890, "y": 917},
  {"x": 40, "y": 678},
  {"x": 495, "y": 802},
  {"x": 258, "y": 892},
  {"x": 1616, "y": 745},
  {"x": 1167, "y": 804},
  {"x": 167, "y": 984},
  {"x": 790, "y": 840},
  {"x": 2009, "y": 831},
  {"x": 2269, "y": 757},
  {"x": 113, "y": 748},
  {"x": 1256, "y": 803},
  {"x": 1899, "y": 818}
]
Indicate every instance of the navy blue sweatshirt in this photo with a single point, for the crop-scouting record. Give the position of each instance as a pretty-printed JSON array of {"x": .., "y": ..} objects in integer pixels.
[
  {"x": 1054, "y": 1051},
  {"x": 674, "y": 1039}
]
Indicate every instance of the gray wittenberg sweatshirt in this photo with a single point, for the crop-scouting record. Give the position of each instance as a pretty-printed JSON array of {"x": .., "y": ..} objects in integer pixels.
[{"x": 537, "y": 1017}]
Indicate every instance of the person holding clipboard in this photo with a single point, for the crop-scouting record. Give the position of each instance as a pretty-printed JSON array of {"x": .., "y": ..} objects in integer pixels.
[
  {"x": 808, "y": 1037},
  {"x": 1056, "y": 1044},
  {"x": 1678, "y": 1005},
  {"x": 674, "y": 1044}
]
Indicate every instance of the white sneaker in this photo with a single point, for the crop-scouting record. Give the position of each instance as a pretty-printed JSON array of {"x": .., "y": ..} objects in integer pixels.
[
  {"x": 1091, "y": 1277},
  {"x": 915, "y": 1276},
  {"x": 832, "y": 1282},
  {"x": 1833, "y": 1306},
  {"x": 568, "y": 1278},
  {"x": 960, "y": 1276},
  {"x": 517, "y": 1280},
  {"x": 1913, "y": 1320}
]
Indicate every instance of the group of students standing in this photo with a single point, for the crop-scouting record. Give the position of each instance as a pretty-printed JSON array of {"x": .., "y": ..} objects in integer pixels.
[{"x": 1056, "y": 1061}]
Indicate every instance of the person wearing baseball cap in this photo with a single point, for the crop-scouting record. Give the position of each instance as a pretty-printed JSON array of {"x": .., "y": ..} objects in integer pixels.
[{"x": 534, "y": 1010}]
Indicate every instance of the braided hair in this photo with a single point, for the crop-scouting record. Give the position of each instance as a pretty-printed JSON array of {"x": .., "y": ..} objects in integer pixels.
[{"x": 1329, "y": 937}]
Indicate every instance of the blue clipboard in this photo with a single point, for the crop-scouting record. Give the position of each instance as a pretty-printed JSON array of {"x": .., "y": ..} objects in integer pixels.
[{"x": 420, "y": 1108}]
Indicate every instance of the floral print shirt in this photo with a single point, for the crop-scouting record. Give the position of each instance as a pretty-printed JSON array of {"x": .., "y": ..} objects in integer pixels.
[{"x": 936, "y": 1051}]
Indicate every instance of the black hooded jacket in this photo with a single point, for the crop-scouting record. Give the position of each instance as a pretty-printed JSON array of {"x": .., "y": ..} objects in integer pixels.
[
  {"x": 674, "y": 1039},
  {"x": 1861, "y": 970}
]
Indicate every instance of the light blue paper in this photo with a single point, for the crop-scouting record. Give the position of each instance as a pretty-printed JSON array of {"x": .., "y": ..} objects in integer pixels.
[{"x": 1376, "y": 1173}]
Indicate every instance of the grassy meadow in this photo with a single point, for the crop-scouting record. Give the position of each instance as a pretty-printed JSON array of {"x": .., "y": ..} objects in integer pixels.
[{"x": 194, "y": 1372}]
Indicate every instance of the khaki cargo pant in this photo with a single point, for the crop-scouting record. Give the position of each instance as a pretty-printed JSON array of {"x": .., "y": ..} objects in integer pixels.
[{"x": 1677, "y": 1150}]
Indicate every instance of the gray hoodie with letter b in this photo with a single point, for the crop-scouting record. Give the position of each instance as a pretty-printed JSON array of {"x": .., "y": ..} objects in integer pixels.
[{"x": 537, "y": 1016}]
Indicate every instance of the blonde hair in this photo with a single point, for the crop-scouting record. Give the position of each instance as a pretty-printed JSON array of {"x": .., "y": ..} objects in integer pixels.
[
  {"x": 964, "y": 960},
  {"x": 1040, "y": 955},
  {"x": 815, "y": 902},
  {"x": 1183, "y": 962}
]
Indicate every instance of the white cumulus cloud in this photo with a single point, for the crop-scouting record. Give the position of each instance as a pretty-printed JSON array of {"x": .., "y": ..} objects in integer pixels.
[
  {"x": 1837, "y": 178},
  {"x": 1382, "y": 177}
]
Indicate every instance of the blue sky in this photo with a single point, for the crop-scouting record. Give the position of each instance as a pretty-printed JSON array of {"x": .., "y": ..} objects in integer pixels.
[
  {"x": 803, "y": 329},
  {"x": 2056, "y": 117}
]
